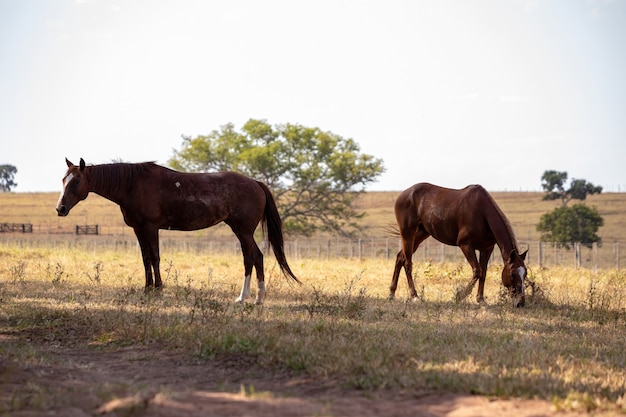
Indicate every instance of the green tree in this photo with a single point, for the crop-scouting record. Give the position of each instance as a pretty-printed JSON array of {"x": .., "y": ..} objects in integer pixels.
[
  {"x": 565, "y": 225},
  {"x": 314, "y": 175},
  {"x": 7, "y": 174},
  {"x": 553, "y": 183}
]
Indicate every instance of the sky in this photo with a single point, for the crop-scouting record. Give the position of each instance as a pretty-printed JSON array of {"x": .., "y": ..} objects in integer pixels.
[{"x": 451, "y": 92}]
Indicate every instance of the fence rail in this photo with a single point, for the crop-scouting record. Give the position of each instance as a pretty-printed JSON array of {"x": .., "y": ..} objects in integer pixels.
[
  {"x": 88, "y": 229},
  {"x": 605, "y": 256},
  {"x": 16, "y": 227}
]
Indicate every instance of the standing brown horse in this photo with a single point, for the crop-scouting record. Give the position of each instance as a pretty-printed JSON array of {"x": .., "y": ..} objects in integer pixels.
[
  {"x": 152, "y": 197},
  {"x": 468, "y": 218}
]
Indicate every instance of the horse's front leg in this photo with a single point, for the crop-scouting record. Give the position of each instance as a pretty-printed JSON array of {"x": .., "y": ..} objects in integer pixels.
[
  {"x": 484, "y": 261},
  {"x": 145, "y": 256},
  {"x": 470, "y": 255},
  {"x": 149, "y": 244}
]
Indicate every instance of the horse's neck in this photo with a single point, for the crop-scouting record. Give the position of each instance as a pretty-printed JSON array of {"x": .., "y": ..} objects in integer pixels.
[
  {"x": 100, "y": 185},
  {"x": 501, "y": 229}
]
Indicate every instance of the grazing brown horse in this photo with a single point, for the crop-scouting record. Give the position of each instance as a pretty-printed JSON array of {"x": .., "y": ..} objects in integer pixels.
[
  {"x": 468, "y": 218},
  {"x": 153, "y": 197}
]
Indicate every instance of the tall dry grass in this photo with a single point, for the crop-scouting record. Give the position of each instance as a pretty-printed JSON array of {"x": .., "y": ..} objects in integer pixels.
[{"x": 567, "y": 345}]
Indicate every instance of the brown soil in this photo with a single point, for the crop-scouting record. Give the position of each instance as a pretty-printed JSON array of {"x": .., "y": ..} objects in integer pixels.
[{"x": 146, "y": 381}]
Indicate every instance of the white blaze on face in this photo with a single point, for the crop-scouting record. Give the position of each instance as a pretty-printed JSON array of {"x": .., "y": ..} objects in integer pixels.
[
  {"x": 522, "y": 273},
  {"x": 66, "y": 181}
]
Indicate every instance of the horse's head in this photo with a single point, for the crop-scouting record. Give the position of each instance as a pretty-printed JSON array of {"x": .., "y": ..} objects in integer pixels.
[
  {"x": 75, "y": 187},
  {"x": 513, "y": 276}
]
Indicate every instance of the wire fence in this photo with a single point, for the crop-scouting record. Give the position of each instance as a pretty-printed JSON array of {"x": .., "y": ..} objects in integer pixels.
[{"x": 576, "y": 255}]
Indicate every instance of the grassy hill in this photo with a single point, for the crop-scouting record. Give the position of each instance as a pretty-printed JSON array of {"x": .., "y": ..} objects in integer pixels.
[{"x": 522, "y": 208}]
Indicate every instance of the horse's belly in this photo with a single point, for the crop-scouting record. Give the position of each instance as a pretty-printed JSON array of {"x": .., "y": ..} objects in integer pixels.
[
  {"x": 442, "y": 230},
  {"x": 445, "y": 238},
  {"x": 186, "y": 226},
  {"x": 192, "y": 217}
]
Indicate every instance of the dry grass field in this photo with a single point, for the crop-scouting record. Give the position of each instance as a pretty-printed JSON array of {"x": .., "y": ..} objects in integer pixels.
[
  {"x": 79, "y": 336},
  {"x": 522, "y": 208}
]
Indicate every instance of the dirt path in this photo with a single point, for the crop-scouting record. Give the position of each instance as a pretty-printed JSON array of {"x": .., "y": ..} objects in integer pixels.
[{"x": 150, "y": 382}]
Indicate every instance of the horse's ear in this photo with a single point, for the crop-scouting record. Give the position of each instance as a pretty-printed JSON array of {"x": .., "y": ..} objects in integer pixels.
[
  {"x": 523, "y": 255},
  {"x": 69, "y": 164},
  {"x": 512, "y": 256},
  {"x": 82, "y": 164}
]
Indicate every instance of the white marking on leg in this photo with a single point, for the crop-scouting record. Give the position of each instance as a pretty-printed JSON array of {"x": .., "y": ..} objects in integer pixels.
[
  {"x": 260, "y": 296},
  {"x": 245, "y": 290}
]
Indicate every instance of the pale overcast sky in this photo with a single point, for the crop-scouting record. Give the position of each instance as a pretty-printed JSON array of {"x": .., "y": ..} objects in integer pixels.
[{"x": 449, "y": 92}]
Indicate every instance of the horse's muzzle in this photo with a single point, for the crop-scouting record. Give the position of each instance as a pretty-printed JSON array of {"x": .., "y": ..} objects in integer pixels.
[{"x": 62, "y": 211}]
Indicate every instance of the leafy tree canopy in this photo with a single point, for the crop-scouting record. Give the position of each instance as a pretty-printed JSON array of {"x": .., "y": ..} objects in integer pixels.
[
  {"x": 566, "y": 225},
  {"x": 554, "y": 183},
  {"x": 7, "y": 174},
  {"x": 314, "y": 175}
]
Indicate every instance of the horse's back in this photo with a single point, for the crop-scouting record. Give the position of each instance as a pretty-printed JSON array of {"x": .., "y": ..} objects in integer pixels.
[
  {"x": 439, "y": 211},
  {"x": 427, "y": 194},
  {"x": 213, "y": 185},
  {"x": 191, "y": 201}
]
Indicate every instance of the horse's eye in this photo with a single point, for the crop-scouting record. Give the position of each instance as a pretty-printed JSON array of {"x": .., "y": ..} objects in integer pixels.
[{"x": 74, "y": 184}]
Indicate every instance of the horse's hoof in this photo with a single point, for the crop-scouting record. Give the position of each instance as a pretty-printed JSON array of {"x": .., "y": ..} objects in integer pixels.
[
  {"x": 391, "y": 297},
  {"x": 258, "y": 302},
  {"x": 153, "y": 290}
]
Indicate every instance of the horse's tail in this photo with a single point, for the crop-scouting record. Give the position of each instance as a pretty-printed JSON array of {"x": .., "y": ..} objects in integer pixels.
[
  {"x": 273, "y": 229},
  {"x": 391, "y": 229}
]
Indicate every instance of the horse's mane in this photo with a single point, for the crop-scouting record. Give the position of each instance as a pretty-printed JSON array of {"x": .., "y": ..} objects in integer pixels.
[
  {"x": 505, "y": 220},
  {"x": 117, "y": 176}
]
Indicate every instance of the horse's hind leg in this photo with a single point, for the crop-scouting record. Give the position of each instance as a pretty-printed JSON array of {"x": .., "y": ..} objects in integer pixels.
[
  {"x": 247, "y": 264},
  {"x": 396, "y": 275},
  {"x": 405, "y": 259},
  {"x": 479, "y": 271},
  {"x": 252, "y": 257},
  {"x": 260, "y": 275}
]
